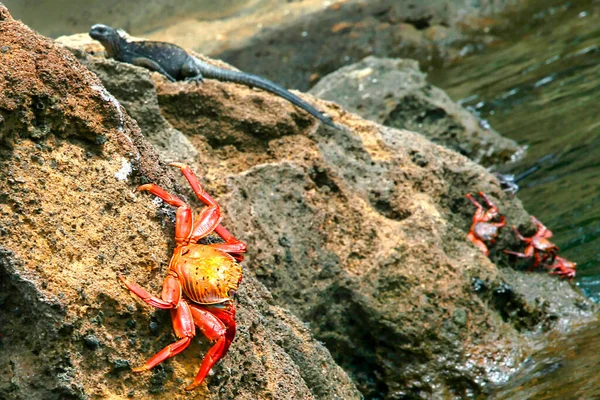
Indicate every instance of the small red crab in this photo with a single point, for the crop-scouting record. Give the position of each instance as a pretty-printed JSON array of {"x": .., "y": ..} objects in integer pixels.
[
  {"x": 538, "y": 245},
  {"x": 563, "y": 268},
  {"x": 201, "y": 281},
  {"x": 482, "y": 229}
]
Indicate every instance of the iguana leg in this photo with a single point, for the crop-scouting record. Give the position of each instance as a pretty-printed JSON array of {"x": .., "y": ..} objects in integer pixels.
[
  {"x": 152, "y": 66},
  {"x": 191, "y": 72}
]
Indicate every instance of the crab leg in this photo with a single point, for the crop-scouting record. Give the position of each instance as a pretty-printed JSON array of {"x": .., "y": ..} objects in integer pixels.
[
  {"x": 480, "y": 210},
  {"x": 500, "y": 223},
  {"x": 475, "y": 202},
  {"x": 207, "y": 222},
  {"x": 542, "y": 230},
  {"x": 185, "y": 229},
  {"x": 171, "y": 292},
  {"x": 536, "y": 261},
  {"x": 196, "y": 187},
  {"x": 227, "y": 316},
  {"x": 550, "y": 255},
  {"x": 231, "y": 245},
  {"x": 215, "y": 330},
  {"x": 236, "y": 245},
  {"x": 524, "y": 239},
  {"x": 477, "y": 242},
  {"x": 210, "y": 217},
  {"x": 487, "y": 200},
  {"x": 183, "y": 221},
  {"x": 183, "y": 325},
  {"x": 528, "y": 252},
  {"x": 563, "y": 267}
]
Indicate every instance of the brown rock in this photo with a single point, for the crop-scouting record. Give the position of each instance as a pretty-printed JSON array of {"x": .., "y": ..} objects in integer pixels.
[
  {"x": 361, "y": 233},
  {"x": 135, "y": 90},
  {"x": 70, "y": 221}
]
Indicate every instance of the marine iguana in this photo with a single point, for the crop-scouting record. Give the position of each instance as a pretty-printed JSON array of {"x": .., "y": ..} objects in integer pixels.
[{"x": 176, "y": 64}]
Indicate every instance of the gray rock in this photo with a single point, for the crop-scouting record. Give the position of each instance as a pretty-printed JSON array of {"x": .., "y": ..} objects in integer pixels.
[
  {"x": 393, "y": 92},
  {"x": 299, "y": 51}
]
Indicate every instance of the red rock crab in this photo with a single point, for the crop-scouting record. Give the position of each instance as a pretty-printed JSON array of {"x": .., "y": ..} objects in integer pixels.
[
  {"x": 482, "y": 229},
  {"x": 538, "y": 246},
  {"x": 201, "y": 281}
]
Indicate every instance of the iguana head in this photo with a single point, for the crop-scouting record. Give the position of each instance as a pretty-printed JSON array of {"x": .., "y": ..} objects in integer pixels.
[{"x": 110, "y": 38}]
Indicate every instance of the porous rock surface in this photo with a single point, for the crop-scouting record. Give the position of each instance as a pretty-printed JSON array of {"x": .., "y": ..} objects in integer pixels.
[
  {"x": 359, "y": 231},
  {"x": 70, "y": 222},
  {"x": 395, "y": 93}
]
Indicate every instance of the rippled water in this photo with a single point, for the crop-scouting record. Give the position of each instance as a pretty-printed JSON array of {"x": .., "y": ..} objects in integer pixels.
[
  {"x": 568, "y": 369},
  {"x": 539, "y": 84}
]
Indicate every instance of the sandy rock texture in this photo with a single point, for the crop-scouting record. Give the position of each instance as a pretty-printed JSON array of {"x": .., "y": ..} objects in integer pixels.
[
  {"x": 138, "y": 96},
  {"x": 70, "y": 222},
  {"x": 360, "y": 232},
  {"x": 395, "y": 93}
]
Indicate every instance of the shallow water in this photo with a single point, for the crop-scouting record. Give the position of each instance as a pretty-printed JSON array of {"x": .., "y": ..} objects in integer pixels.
[
  {"x": 539, "y": 84},
  {"x": 568, "y": 369}
]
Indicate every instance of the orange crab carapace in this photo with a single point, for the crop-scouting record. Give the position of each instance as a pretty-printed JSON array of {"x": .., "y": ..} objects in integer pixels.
[{"x": 201, "y": 281}]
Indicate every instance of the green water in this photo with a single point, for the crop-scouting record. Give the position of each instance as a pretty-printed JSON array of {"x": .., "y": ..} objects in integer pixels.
[
  {"x": 568, "y": 369},
  {"x": 539, "y": 84}
]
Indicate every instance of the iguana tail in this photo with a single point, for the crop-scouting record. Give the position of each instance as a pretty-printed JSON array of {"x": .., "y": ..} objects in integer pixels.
[{"x": 225, "y": 75}]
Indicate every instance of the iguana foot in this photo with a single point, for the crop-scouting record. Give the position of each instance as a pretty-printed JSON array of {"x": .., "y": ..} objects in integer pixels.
[{"x": 198, "y": 79}]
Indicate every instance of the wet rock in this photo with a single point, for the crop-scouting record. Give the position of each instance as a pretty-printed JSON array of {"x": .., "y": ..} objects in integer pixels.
[
  {"x": 393, "y": 92},
  {"x": 567, "y": 369},
  {"x": 73, "y": 223}
]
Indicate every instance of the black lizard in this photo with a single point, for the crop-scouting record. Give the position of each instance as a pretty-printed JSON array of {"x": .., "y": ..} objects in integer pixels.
[{"x": 176, "y": 64}]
